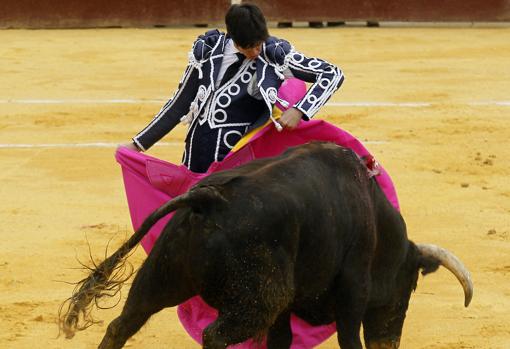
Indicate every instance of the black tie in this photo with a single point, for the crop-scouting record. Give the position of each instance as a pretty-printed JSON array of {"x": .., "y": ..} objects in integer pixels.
[{"x": 233, "y": 68}]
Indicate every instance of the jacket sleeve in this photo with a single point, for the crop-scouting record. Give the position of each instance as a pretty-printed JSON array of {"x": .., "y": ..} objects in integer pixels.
[
  {"x": 170, "y": 114},
  {"x": 325, "y": 77},
  {"x": 179, "y": 105}
]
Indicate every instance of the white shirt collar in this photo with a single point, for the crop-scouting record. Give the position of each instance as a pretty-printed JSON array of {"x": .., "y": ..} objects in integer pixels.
[{"x": 230, "y": 48}]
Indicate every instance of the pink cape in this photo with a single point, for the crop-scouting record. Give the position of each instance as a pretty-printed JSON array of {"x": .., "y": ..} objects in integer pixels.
[{"x": 150, "y": 182}]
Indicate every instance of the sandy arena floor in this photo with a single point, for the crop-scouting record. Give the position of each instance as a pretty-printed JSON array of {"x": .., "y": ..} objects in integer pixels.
[{"x": 448, "y": 158}]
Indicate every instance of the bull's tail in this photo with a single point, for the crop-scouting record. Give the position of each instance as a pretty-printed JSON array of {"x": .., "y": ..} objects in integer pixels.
[{"x": 74, "y": 313}]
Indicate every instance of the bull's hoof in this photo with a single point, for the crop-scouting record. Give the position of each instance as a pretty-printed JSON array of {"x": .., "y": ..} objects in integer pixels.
[
  {"x": 211, "y": 339},
  {"x": 384, "y": 344},
  {"x": 214, "y": 343}
]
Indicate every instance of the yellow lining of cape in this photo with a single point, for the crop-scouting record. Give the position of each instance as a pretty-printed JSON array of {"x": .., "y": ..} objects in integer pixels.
[{"x": 247, "y": 137}]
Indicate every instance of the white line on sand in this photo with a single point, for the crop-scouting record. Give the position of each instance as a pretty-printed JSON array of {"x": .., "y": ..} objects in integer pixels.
[
  {"x": 330, "y": 104},
  {"x": 78, "y": 145},
  {"x": 82, "y": 101},
  {"x": 106, "y": 145},
  {"x": 379, "y": 104},
  {"x": 491, "y": 103}
]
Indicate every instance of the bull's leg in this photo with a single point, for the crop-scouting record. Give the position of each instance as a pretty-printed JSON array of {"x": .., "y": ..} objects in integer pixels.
[
  {"x": 147, "y": 296},
  {"x": 124, "y": 326},
  {"x": 250, "y": 313},
  {"x": 234, "y": 326},
  {"x": 158, "y": 284},
  {"x": 280, "y": 334},
  {"x": 352, "y": 291},
  {"x": 259, "y": 286},
  {"x": 253, "y": 318}
]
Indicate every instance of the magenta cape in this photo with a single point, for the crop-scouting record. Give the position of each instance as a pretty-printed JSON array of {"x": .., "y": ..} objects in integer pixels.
[{"x": 150, "y": 182}]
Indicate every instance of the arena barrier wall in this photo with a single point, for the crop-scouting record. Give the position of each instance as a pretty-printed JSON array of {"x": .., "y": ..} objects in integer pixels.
[
  {"x": 113, "y": 13},
  {"x": 386, "y": 10}
]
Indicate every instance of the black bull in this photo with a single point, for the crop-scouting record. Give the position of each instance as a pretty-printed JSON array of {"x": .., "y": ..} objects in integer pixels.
[{"x": 307, "y": 232}]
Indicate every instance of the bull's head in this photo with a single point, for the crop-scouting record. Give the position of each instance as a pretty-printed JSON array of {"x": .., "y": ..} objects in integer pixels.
[{"x": 383, "y": 322}]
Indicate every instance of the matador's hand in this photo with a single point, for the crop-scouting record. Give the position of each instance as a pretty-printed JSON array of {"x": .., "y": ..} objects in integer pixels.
[
  {"x": 131, "y": 146},
  {"x": 290, "y": 118}
]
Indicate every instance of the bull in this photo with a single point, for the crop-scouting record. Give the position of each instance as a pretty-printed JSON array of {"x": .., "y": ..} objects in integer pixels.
[{"x": 307, "y": 232}]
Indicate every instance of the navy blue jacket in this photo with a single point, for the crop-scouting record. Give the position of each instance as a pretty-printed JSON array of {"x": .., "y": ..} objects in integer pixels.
[{"x": 198, "y": 83}]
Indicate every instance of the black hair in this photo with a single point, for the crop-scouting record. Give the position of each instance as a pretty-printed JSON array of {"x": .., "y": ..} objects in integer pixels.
[{"x": 246, "y": 25}]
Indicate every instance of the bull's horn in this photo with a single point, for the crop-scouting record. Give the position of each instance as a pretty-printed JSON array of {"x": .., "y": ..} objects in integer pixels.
[{"x": 453, "y": 264}]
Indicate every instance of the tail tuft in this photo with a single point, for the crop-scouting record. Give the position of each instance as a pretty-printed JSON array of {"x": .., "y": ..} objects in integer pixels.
[{"x": 104, "y": 281}]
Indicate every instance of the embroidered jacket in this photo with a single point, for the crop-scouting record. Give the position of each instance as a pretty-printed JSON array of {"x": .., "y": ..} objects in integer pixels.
[{"x": 197, "y": 85}]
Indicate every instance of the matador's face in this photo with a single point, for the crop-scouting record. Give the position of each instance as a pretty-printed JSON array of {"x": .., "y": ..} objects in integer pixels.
[{"x": 251, "y": 52}]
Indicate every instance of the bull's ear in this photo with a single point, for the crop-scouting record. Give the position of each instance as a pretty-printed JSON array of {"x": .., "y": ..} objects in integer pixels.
[{"x": 203, "y": 198}]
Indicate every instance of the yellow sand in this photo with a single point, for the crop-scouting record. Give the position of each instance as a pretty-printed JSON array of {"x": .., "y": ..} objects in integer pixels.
[{"x": 449, "y": 162}]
